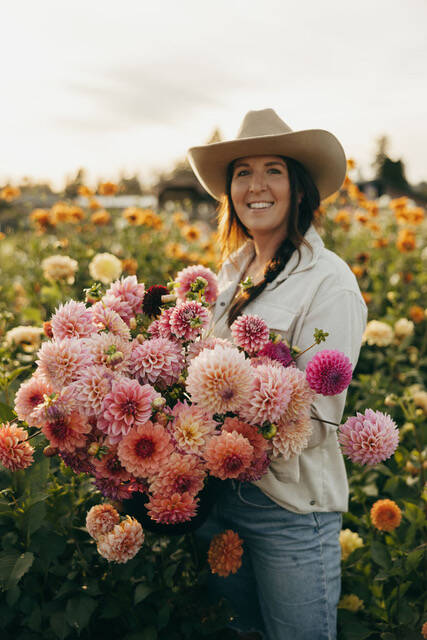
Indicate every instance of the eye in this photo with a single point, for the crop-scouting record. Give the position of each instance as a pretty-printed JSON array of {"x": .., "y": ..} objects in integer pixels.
[
  {"x": 274, "y": 170},
  {"x": 241, "y": 172}
]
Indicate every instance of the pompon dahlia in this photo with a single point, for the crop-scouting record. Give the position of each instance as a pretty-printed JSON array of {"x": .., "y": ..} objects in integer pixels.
[
  {"x": 145, "y": 450},
  {"x": 191, "y": 428},
  {"x": 15, "y": 452},
  {"x": 279, "y": 352},
  {"x": 219, "y": 379},
  {"x": 101, "y": 519},
  {"x": 184, "y": 474},
  {"x": 60, "y": 362},
  {"x": 109, "y": 466},
  {"x": 152, "y": 303},
  {"x": 292, "y": 436},
  {"x": 157, "y": 361},
  {"x": 129, "y": 290},
  {"x": 67, "y": 431},
  {"x": 185, "y": 278},
  {"x": 349, "y": 541},
  {"x": 72, "y": 320},
  {"x": 329, "y": 372},
  {"x": 369, "y": 438},
  {"x": 92, "y": 386},
  {"x": 29, "y": 396},
  {"x": 188, "y": 320},
  {"x": 250, "y": 333},
  {"x": 110, "y": 350},
  {"x": 225, "y": 553},
  {"x": 106, "y": 319},
  {"x": 228, "y": 455},
  {"x": 120, "y": 306},
  {"x": 194, "y": 348},
  {"x": 269, "y": 395},
  {"x": 123, "y": 542},
  {"x": 128, "y": 405},
  {"x": 385, "y": 515},
  {"x": 172, "y": 509}
]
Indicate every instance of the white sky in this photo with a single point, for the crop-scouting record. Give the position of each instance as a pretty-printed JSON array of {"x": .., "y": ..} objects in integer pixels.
[{"x": 131, "y": 84}]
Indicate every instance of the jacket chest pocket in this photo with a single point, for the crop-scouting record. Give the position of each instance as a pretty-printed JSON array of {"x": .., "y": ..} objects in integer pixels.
[{"x": 278, "y": 318}]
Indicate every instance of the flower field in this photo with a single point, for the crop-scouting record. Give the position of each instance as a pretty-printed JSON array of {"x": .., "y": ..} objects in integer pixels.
[{"x": 54, "y": 583}]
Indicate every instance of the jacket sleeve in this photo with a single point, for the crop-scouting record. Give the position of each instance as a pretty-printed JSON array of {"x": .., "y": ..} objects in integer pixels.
[{"x": 343, "y": 315}]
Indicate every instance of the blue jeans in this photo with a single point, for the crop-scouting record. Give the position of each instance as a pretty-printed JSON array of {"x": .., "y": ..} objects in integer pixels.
[{"x": 289, "y": 583}]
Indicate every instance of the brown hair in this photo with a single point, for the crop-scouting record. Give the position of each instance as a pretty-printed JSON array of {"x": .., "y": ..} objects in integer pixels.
[{"x": 232, "y": 233}]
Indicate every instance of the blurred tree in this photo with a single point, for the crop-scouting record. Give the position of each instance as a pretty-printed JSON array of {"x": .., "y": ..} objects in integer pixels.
[
  {"x": 72, "y": 185},
  {"x": 390, "y": 172},
  {"x": 130, "y": 186}
]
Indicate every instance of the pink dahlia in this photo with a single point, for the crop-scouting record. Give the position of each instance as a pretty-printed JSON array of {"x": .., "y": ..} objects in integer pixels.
[
  {"x": 163, "y": 326},
  {"x": 220, "y": 379},
  {"x": 110, "y": 350},
  {"x": 329, "y": 372},
  {"x": 184, "y": 474},
  {"x": 188, "y": 320},
  {"x": 106, "y": 319},
  {"x": 78, "y": 460},
  {"x": 250, "y": 333},
  {"x": 269, "y": 396},
  {"x": 59, "y": 403},
  {"x": 228, "y": 455},
  {"x": 101, "y": 519},
  {"x": 191, "y": 428},
  {"x": 194, "y": 348},
  {"x": 369, "y": 438},
  {"x": 279, "y": 352},
  {"x": 152, "y": 303},
  {"x": 29, "y": 396},
  {"x": 292, "y": 436},
  {"x": 185, "y": 278},
  {"x": 120, "y": 306},
  {"x": 109, "y": 466},
  {"x": 157, "y": 361},
  {"x": 60, "y": 362},
  {"x": 260, "y": 460},
  {"x": 172, "y": 509},
  {"x": 65, "y": 431},
  {"x": 301, "y": 395},
  {"x": 153, "y": 329},
  {"x": 15, "y": 452},
  {"x": 92, "y": 386},
  {"x": 128, "y": 405},
  {"x": 145, "y": 450},
  {"x": 72, "y": 320},
  {"x": 129, "y": 290},
  {"x": 123, "y": 542}
]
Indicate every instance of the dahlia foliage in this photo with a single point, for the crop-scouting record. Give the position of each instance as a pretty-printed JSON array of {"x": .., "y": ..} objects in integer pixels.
[{"x": 133, "y": 388}]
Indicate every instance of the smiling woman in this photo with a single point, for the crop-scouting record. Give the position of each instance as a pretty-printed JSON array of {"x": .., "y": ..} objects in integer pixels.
[{"x": 270, "y": 181}]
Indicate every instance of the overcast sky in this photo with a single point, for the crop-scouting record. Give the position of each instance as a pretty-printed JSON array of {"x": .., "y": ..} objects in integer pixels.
[{"x": 131, "y": 85}]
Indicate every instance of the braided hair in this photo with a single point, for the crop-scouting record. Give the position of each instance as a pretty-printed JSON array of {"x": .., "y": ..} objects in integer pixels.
[{"x": 232, "y": 232}]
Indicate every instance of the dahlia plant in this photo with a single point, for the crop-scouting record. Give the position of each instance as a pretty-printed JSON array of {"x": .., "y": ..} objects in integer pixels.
[{"x": 132, "y": 388}]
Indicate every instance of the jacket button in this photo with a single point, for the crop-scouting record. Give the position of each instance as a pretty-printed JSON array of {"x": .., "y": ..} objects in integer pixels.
[
  {"x": 312, "y": 501},
  {"x": 222, "y": 304}
]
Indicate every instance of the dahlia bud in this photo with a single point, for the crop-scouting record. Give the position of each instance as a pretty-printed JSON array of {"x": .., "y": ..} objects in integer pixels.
[
  {"x": 391, "y": 296},
  {"x": 132, "y": 323},
  {"x": 268, "y": 430},
  {"x": 391, "y": 400},
  {"x": 115, "y": 358},
  {"x": 158, "y": 403},
  {"x": 161, "y": 418},
  {"x": 170, "y": 297},
  {"x": 181, "y": 380},
  {"x": 93, "y": 448},
  {"x": 47, "y": 329},
  {"x": 140, "y": 337},
  {"x": 50, "y": 451}
]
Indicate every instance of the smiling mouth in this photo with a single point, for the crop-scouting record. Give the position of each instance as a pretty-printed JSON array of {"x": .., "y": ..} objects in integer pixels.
[{"x": 260, "y": 205}]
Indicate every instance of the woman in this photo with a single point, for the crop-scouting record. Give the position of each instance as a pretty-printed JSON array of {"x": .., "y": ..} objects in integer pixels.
[{"x": 270, "y": 181}]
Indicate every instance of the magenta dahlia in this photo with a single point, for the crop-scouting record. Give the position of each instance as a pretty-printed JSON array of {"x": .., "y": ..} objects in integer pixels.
[
  {"x": 152, "y": 303},
  {"x": 187, "y": 276},
  {"x": 329, "y": 372},
  {"x": 369, "y": 438},
  {"x": 278, "y": 351},
  {"x": 188, "y": 320},
  {"x": 72, "y": 320},
  {"x": 250, "y": 333}
]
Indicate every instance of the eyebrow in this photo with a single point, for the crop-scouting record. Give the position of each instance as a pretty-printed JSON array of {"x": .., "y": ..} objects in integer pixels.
[{"x": 267, "y": 164}]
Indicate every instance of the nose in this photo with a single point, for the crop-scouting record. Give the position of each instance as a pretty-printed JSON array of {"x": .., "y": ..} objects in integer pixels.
[{"x": 257, "y": 182}]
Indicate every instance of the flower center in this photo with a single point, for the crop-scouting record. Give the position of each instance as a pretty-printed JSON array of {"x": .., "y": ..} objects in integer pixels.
[
  {"x": 182, "y": 484},
  {"x": 59, "y": 429},
  {"x": 129, "y": 408},
  {"x": 113, "y": 465},
  {"x": 144, "y": 448},
  {"x": 232, "y": 463}
]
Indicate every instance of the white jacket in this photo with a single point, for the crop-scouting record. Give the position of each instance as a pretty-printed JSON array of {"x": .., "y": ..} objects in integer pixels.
[{"x": 321, "y": 292}]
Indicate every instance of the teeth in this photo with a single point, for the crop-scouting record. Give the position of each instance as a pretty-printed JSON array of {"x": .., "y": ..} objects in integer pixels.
[{"x": 259, "y": 205}]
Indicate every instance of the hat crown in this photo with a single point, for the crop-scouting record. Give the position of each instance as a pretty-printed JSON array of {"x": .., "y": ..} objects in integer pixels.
[{"x": 264, "y": 122}]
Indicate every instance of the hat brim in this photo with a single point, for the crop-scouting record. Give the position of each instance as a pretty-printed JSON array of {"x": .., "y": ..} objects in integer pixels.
[{"x": 319, "y": 151}]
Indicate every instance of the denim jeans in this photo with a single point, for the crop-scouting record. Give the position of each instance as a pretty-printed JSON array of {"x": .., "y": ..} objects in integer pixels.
[{"x": 288, "y": 586}]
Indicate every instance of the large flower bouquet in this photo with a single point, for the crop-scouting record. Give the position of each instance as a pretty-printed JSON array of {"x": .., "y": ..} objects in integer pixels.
[{"x": 133, "y": 389}]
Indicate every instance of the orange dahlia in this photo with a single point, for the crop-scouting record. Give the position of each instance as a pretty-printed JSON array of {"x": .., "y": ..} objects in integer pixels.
[
  {"x": 101, "y": 519},
  {"x": 225, "y": 553},
  {"x": 15, "y": 453},
  {"x": 385, "y": 515},
  {"x": 405, "y": 240},
  {"x": 416, "y": 314}
]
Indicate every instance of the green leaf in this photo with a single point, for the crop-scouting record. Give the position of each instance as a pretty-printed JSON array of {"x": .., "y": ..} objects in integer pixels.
[
  {"x": 6, "y": 413},
  {"x": 79, "y": 611},
  {"x": 142, "y": 591},
  {"x": 33, "y": 518},
  {"x": 21, "y": 566},
  {"x": 163, "y": 615},
  {"x": 16, "y": 372},
  {"x": 59, "y": 625},
  {"x": 380, "y": 555},
  {"x": 414, "y": 558}
]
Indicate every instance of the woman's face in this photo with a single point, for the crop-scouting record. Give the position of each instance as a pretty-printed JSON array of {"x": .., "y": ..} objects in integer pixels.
[{"x": 261, "y": 193}]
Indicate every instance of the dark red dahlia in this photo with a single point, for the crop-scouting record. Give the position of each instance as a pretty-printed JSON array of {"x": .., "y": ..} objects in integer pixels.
[
  {"x": 277, "y": 351},
  {"x": 151, "y": 304}
]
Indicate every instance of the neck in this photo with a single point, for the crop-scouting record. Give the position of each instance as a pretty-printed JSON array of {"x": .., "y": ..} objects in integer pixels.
[{"x": 266, "y": 247}]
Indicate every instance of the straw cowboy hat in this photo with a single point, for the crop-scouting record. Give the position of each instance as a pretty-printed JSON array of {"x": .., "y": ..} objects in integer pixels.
[{"x": 264, "y": 133}]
